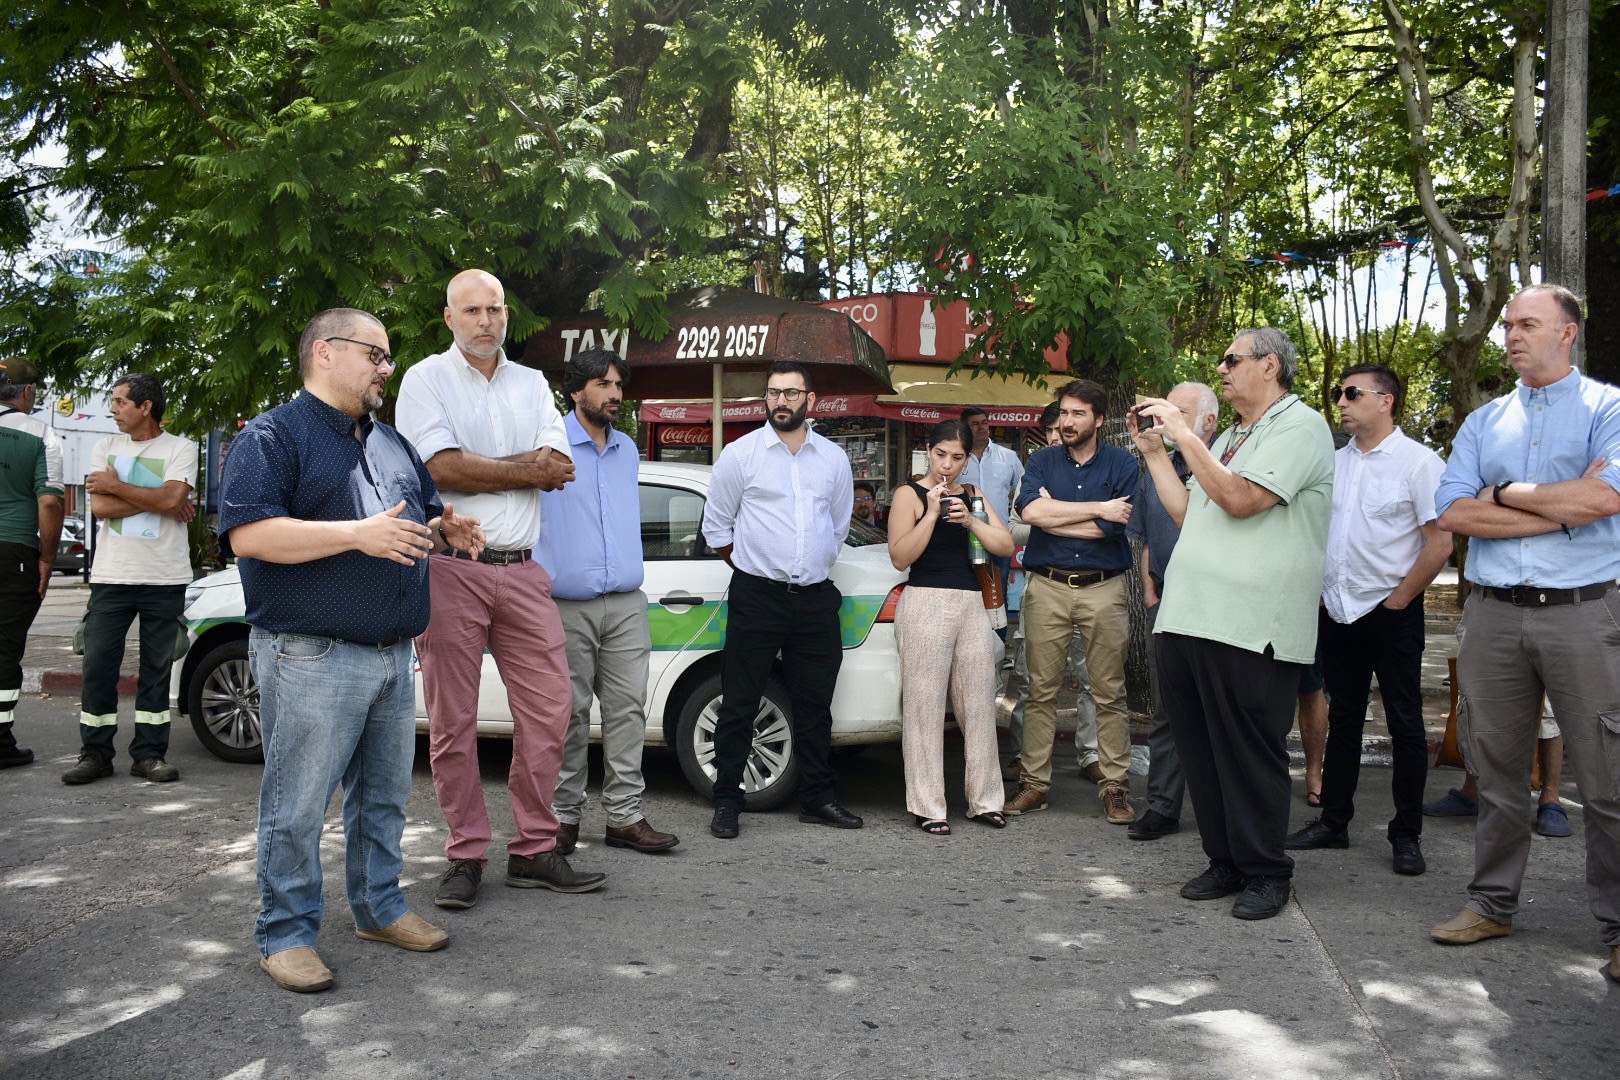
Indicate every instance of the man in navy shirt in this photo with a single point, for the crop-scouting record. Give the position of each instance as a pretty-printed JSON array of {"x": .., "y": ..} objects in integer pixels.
[
  {"x": 1077, "y": 499},
  {"x": 332, "y": 516}
]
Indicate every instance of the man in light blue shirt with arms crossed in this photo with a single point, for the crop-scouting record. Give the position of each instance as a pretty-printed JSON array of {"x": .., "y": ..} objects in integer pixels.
[
  {"x": 590, "y": 544},
  {"x": 1534, "y": 478}
]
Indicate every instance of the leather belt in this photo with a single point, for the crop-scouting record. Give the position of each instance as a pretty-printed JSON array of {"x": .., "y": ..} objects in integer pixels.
[
  {"x": 1532, "y": 596},
  {"x": 1076, "y": 579},
  {"x": 789, "y": 587},
  {"x": 495, "y": 557}
]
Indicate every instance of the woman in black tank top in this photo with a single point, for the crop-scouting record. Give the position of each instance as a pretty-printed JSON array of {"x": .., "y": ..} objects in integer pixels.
[{"x": 947, "y": 647}]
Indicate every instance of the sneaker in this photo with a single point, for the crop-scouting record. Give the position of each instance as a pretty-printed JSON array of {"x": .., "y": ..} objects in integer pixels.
[
  {"x": 1153, "y": 825},
  {"x": 724, "y": 825},
  {"x": 1455, "y": 804},
  {"x": 1117, "y": 805},
  {"x": 1221, "y": 879},
  {"x": 154, "y": 769},
  {"x": 1552, "y": 820},
  {"x": 549, "y": 870},
  {"x": 1261, "y": 898},
  {"x": 91, "y": 766},
  {"x": 1027, "y": 801},
  {"x": 1408, "y": 856},
  {"x": 1316, "y": 835},
  {"x": 1467, "y": 927},
  {"x": 458, "y": 889}
]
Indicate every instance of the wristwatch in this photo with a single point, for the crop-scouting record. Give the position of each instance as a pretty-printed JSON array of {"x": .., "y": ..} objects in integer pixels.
[{"x": 1496, "y": 492}]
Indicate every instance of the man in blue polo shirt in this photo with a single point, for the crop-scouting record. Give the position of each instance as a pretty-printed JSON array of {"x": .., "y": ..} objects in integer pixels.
[
  {"x": 590, "y": 544},
  {"x": 1077, "y": 499},
  {"x": 332, "y": 516},
  {"x": 1534, "y": 478}
]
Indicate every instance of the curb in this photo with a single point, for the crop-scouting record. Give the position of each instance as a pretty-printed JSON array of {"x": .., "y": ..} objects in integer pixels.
[{"x": 35, "y": 681}]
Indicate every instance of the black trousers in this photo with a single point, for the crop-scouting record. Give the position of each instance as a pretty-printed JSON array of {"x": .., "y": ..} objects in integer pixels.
[
  {"x": 1388, "y": 644},
  {"x": 764, "y": 618},
  {"x": 108, "y": 616},
  {"x": 1230, "y": 711},
  {"x": 19, "y": 603}
]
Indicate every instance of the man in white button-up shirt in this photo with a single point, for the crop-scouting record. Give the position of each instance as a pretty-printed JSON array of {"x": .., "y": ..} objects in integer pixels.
[
  {"x": 492, "y": 437},
  {"x": 1384, "y": 547},
  {"x": 778, "y": 511}
]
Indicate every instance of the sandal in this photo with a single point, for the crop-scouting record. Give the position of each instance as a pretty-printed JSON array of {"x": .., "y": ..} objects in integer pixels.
[
  {"x": 1313, "y": 798},
  {"x": 934, "y": 826},
  {"x": 991, "y": 818}
]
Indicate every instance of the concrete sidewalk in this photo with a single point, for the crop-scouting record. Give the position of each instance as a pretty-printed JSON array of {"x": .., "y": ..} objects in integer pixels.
[{"x": 49, "y": 663}]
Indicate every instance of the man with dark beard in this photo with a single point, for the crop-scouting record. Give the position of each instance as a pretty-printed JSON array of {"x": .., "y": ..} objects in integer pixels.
[
  {"x": 778, "y": 511},
  {"x": 490, "y": 432},
  {"x": 1077, "y": 499}
]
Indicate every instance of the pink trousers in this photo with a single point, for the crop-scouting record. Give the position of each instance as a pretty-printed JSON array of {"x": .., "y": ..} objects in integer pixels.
[{"x": 508, "y": 609}]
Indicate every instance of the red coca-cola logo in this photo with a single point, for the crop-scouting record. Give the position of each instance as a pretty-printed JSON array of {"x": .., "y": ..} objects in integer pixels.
[{"x": 685, "y": 435}]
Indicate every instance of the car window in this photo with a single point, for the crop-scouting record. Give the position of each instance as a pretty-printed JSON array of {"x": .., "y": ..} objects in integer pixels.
[
  {"x": 672, "y": 524},
  {"x": 863, "y": 535}
]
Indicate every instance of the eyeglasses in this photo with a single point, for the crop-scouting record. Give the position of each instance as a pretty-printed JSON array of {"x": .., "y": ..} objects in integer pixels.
[
  {"x": 1231, "y": 359},
  {"x": 864, "y": 498},
  {"x": 378, "y": 355},
  {"x": 1351, "y": 393},
  {"x": 791, "y": 395}
]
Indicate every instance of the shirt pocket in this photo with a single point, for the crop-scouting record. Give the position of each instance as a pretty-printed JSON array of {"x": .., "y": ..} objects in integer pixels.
[{"x": 1386, "y": 499}]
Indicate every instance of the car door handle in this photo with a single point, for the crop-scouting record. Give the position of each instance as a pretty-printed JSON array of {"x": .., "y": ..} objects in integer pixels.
[{"x": 681, "y": 600}]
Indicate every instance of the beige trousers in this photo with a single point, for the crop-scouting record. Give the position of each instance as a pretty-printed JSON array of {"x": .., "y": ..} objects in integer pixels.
[
  {"x": 947, "y": 648},
  {"x": 1051, "y": 611}
]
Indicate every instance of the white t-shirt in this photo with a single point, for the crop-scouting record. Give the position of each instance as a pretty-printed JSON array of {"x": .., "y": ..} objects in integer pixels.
[{"x": 146, "y": 548}]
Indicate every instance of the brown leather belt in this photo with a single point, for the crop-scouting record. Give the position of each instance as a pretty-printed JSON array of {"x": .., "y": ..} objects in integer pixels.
[
  {"x": 494, "y": 557},
  {"x": 1533, "y": 596},
  {"x": 1076, "y": 579}
]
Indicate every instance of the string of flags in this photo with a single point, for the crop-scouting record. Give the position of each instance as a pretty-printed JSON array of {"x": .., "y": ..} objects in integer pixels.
[
  {"x": 1598, "y": 193},
  {"x": 1283, "y": 258}
]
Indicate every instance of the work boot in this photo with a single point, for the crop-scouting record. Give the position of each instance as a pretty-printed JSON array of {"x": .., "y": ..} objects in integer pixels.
[
  {"x": 155, "y": 769},
  {"x": 92, "y": 766},
  {"x": 11, "y": 754}
]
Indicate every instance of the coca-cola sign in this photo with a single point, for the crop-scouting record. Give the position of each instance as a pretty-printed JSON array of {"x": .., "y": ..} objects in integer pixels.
[{"x": 685, "y": 435}]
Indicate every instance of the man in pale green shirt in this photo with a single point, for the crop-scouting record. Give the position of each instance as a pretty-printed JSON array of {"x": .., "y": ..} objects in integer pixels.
[{"x": 1238, "y": 617}]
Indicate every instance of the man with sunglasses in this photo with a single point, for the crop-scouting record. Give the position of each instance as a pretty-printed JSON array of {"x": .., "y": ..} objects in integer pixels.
[
  {"x": 778, "y": 512},
  {"x": 1534, "y": 478},
  {"x": 1384, "y": 547},
  {"x": 1237, "y": 620},
  {"x": 493, "y": 439},
  {"x": 332, "y": 516}
]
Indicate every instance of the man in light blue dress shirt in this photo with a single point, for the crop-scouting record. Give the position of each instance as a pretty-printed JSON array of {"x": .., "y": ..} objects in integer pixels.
[
  {"x": 1534, "y": 478},
  {"x": 778, "y": 512},
  {"x": 590, "y": 544}
]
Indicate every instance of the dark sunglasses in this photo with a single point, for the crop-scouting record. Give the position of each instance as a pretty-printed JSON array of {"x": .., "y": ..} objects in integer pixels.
[{"x": 1352, "y": 393}]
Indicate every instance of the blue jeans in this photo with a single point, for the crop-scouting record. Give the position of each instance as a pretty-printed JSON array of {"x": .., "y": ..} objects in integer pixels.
[{"x": 333, "y": 712}]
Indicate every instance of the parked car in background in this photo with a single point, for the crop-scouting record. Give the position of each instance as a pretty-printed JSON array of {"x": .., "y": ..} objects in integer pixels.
[
  {"x": 71, "y": 554},
  {"x": 686, "y": 609}
]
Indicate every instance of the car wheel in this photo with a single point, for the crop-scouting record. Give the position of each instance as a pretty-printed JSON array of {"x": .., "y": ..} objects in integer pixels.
[
  {"x": 223, "y": 700},
  {"x": 771, "y": 773}
]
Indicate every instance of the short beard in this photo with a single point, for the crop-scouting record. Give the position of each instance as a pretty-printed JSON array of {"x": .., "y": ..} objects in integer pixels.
[
  {"x": 1080, "y": 441},
  {"x": 488, "y": 354},
  {"x": 596, "y": 417},
  {"x": 794, "y": 421}
]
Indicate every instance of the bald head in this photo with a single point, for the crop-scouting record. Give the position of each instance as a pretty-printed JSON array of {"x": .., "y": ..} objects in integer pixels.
[
  {"x": 1199, "y": 406},
  {"x": 475, "y": 312}
]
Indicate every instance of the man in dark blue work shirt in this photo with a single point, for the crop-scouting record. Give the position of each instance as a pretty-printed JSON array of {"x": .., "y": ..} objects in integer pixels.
[
  {"x": 332, "y": 516},
  {"x": 1077, "y": 499}
]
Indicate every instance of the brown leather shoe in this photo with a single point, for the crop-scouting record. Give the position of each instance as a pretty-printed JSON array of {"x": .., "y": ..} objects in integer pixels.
[
  {"x": 1467, "y": 927},
  {"x": 299, "y": 970},
  {"x": 549, "y": 870},
  {"x": 568, "y": 837},
  {"x": 640, "y": 837},
  {"x": 1027, "y": 801},
  {"x": 1117, "y": 805},
  {"x": 1013, "y": 770},
  {"x": 1093, "y": 772},
  {"x": 409, "y": 931},
  {"x": 1613, "y": 970}
]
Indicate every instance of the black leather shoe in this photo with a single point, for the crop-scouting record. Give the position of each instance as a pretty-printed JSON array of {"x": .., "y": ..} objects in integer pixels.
[
  {"x": 724, "y": 825},
  {"x": 830, "y": 814},
  {"x": 458, "y": 889},
  {"x": 1408, "y": 858},
  {"x": 1221, "y": 879},
  {"x": 549, "y": 870},
  {"x": 1316, "y": 835},
  {"x": 567, "y": 837},
  {"x": 1261, "y": 898},
  {"x": 1152, "y": 825}
]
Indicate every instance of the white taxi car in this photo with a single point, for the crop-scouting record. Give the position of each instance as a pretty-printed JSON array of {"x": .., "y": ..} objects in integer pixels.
[{"x": 686, "y": 609}]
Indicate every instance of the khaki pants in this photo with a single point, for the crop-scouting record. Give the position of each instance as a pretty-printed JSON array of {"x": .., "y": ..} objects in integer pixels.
[{"x": 1051, "y": 612}]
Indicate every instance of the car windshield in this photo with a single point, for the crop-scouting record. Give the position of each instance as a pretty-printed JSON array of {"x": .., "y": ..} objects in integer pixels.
[{"x": 863, "y": 535}]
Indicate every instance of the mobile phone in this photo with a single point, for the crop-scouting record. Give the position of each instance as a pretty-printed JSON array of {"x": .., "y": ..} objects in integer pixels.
[{"x": 1146, "y": 420}]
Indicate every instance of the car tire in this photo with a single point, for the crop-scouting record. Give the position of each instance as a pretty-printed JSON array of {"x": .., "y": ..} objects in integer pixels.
[
  {"x": 771, "y": 774},
  {"x": 223, "y": 702}
]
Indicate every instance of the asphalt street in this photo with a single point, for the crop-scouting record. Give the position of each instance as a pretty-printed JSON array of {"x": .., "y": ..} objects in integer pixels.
[{"x": 1056, "y": 948}]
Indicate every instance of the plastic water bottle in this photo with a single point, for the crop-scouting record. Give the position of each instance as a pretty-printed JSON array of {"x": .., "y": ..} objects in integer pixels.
[{"x": 976, "y": 553}]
